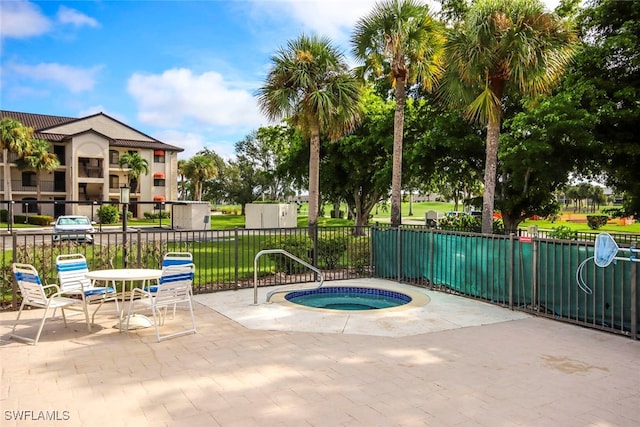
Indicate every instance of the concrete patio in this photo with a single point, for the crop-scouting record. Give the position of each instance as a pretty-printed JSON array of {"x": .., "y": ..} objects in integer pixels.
[{"x": 476, "y": 365}]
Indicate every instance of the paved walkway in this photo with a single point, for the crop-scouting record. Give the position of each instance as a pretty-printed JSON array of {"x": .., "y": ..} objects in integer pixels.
[{"x": 524, "y": 372}]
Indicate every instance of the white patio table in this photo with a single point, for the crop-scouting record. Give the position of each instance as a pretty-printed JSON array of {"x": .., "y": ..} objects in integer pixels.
[{"x": 124, "y": 276}]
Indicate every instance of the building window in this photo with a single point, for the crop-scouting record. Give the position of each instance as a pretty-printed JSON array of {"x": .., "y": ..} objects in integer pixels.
[
  {"x": 114, "y": 182},
  {"x": 28, "y": 179},
  {"x": 59, "y": 151},
  {"x": 157, "y": 182},
  {"x": 158, "y": 156},
  {"x": 114, "y": 157}
]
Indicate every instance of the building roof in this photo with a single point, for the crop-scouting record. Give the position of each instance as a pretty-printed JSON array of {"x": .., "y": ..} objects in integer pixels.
[{"x": 42, "y": 122}]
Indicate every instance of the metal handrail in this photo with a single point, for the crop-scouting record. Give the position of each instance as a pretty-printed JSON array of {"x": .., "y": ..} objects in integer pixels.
[{"x": 283, "y": 252}]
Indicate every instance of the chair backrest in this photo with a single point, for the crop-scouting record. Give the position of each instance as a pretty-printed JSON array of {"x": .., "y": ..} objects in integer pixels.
[
  {"x": 71, "y": 272},
  {"x": 176, "y": 258},
  {"x": 175, "y": 284},
  {"x": 29, "y": 283}
]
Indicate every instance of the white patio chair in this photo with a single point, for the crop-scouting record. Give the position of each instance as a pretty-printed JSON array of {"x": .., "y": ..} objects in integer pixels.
[
  {"x": 174, "y": 287},
  {"x": 34, "y": 294},
  {"x": 71, "y": 277},
  {"x": 174, "y": 258}
]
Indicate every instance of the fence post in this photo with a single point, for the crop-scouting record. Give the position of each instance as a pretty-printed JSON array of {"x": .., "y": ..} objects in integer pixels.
[
  {"x": 511, "y": 269},
  {"x": 235, "y": 256},
  {"x": 534, "y": 273},
  {"x": 399, "y": 249},
  {"x": 14, "y": 285},
  {"x": 431, "y": 257},
  {"x": 634, "y": 299},
  {"x": 139, "y": 254}
]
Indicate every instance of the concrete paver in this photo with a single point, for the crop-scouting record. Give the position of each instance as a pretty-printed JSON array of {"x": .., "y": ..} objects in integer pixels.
[{"x": 524, "y": 371}]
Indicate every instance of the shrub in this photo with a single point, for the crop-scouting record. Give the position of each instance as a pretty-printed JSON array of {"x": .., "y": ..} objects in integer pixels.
[
  {"x": 156, "y": 215},
  {"x": 612, "y": 212},
  {"x": 360, "y": 256},
  {"x": 331, "y": 249},
  {"x": 108, "y": 214},
  {"x": 461, "y": 223},
  {"x": 597, "y": 221},
  {"x": 563, "y": 232},
  {"x": 40, "y": 219},
  {"x": 300, "y": 246},
  {"x": 4, "y": 214}
]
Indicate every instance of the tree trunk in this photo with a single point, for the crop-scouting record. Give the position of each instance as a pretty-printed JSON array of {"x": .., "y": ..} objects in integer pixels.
[
  {"x": 491, "y": 165},
  {"x": 314, "y": 175},
  {"x": 396, "y": 174}
]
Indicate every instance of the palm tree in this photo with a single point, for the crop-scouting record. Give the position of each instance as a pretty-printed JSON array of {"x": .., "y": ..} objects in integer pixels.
[
  {"x": 15, "y": 138},
  {"x": 198, "y": 169},
  {"x": 181, "y": 172},
  {"x": 137, "y": 166},
  {"x": 41, "y": 158},
  {"x": 402, "y": 37},
  {"x": 503, "y": 47},
  {"x": 309, "y": 83}
]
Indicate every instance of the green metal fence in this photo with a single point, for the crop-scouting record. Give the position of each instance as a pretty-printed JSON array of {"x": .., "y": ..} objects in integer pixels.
[{"x": 523, "y": 273}]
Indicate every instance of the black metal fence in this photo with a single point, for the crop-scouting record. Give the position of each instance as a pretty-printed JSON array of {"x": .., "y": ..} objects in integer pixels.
[{"x": 225, "y": 258}]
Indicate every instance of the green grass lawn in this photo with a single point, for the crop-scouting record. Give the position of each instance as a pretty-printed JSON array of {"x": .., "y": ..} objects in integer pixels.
[{"x": 380, "y": 214}]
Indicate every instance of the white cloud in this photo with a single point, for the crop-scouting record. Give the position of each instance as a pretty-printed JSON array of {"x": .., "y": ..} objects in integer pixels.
[
  {"x": 178, "y": 97},
  {"x": 67, "y": 15},
  {"x": 195, "y": 142},
  {"x": 75, "y": 79},
  {"x": 21, "y": 19}
]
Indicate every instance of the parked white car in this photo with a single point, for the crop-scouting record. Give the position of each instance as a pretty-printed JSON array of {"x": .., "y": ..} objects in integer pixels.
[{"x": 73, "y": 227}]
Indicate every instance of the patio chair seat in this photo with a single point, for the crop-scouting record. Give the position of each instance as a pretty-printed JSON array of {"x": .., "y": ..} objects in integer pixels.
[
  {"x": 34, "y": 294},
  {"x": 72, "y": 269},
  {"x": 174, "y": 287}
]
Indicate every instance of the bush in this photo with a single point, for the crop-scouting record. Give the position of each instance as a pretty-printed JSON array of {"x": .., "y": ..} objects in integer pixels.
[
  {"x": 612, "y": 212},
  {"x": 461, "y": 223},
  {"x": 360, "y": 256},
  {"x": 563, "y": 232},
  {"x": 108, "y": 214},
  {"x": 32, "y": 219},
  {"x": 40, "y": 219},
  {"x": 595, "y": 222},
  {"x": 156, "y": 215},
  {"x": 4, "y": 214},
  {"x": 300, "y": 246},
  {"x": 331, "y": 249}
]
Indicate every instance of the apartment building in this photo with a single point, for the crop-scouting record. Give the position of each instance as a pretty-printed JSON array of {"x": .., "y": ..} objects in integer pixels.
[{"x": 89, "y": 150}]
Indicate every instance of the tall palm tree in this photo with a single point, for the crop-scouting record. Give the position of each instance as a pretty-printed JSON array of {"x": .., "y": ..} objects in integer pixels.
[
  {"x": 15, "y": 138},
  {"x": 181, "y": 173},
  {"x": 403, "y": 37},
  {"x": 309, "y": 83},
  {"x": 503, "y": 47},
  {"x": 198, "y": 169},
  {"x": 41, "y": 158},
  {"x": 137, "y": 166}
]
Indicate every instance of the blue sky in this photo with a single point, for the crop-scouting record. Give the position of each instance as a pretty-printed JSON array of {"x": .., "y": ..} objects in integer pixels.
[{"x": 184, "y": 72}]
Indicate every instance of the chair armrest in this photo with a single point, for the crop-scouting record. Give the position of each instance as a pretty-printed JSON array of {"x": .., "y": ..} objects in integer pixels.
[
  {"x": 140, "y": 291},
  {"x": 46, "y": 288}
]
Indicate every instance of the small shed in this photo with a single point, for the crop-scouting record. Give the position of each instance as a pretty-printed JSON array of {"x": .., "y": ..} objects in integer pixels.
[
  {"x": 271, "y": 215},
  {"x": 191, "y": 215}
]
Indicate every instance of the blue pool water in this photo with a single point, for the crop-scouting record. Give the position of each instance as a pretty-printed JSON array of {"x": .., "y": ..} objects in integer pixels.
[{"x": 348, "y": 298}]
